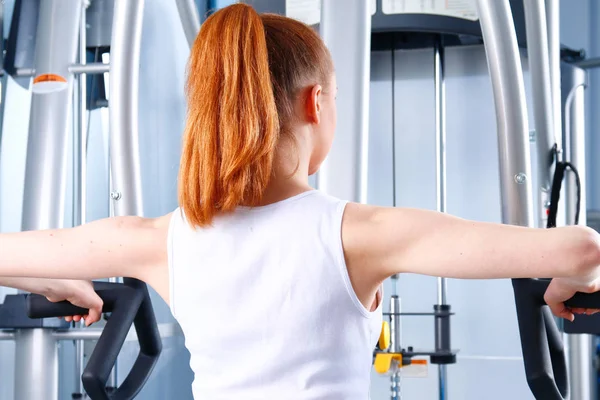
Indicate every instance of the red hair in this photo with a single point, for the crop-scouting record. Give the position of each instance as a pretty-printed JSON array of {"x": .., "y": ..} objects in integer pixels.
[{"x": 244, "y": 74}]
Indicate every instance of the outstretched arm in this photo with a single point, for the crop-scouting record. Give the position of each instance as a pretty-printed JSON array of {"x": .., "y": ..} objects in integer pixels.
[
  {"x": 396, "y": 240},
  {"x": 120, "y": 246},
  {"x": 79, "y": 292},
  {"x": 380, "y": 242}
]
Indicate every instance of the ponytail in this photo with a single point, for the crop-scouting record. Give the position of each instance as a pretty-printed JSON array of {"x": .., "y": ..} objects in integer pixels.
[{"x": 232, "y": 125}]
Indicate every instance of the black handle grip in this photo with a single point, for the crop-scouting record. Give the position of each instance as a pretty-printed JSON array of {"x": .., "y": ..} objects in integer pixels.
[
  {"x": 541, "y": 341},
  {"x": 39, "y": 307},
  {"x": 129, "y": 304},
  {"x": 584, "y": 300}
]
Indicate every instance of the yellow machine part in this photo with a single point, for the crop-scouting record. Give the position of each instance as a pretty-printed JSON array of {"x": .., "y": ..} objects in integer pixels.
[
  {"x": 384, "y": 336},
  {"x": 383, "y": 361}
]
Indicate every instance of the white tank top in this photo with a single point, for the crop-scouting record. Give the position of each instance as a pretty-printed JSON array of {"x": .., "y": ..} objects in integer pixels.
[{"x": 266, "y": 305}]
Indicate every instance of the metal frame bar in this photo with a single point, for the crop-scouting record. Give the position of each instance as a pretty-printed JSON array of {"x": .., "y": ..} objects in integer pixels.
[
  {"x": 80, "y": 169},
  {"x": 553, "y": 34},
  {"x": 589, "y": 63},
  {"x": 3, "y": 91},
  {"x": 36, "y": 365},
  {"x": 542, "y": 94},
  {"x": 440, "y": 177},
  {"x": 506, "y": 74},
  {"x": 91, "y": 68},
  {"x": 580, "y": 348},
  {"x": 166, "y": 330},
  {"x": 125, "y": 175},
  {"x": 45, "y": 179},
  {"x": 190, "y": 19},
  {"x": 123, "y": 110},
  {"x": 7, "y": 335},
  {"x": 346, "y": 29}
]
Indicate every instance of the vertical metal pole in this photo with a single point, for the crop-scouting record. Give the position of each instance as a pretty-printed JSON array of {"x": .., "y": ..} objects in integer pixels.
[
  {"x": 3, "y": 81},
  {"x": 580, "y": 348},
  {"x": 45, "y": 178},
  {"x": 506, "y": 74},
  {"x": 190, "y": 19},
  {"x": 36, "y": 357},
  {"x": 80, "y": 134},
  {"x": 543, "y": 107},
  {"x": 553, "y": 30},
  {"x": 395, "y": 327},
  {"x": 440, "y": 177},
  {"x": 126, "y": 184},
  {"x": 45, "y": 170},
  {"x": 346, "y": 30},
  {"x": 440, "y": 144},
  {"x": 4, "y": 84},
  {"x": 80, "y": 173},
  {"x": 124, "y": 91},
  {"x": 593, "y": 117},
  {"x": 396, "y": 345}
]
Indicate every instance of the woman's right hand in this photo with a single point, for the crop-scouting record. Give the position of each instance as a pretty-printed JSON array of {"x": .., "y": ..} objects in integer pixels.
[
  {"x": 79, "y": 293},
  {"x": 562, "y": 289}
]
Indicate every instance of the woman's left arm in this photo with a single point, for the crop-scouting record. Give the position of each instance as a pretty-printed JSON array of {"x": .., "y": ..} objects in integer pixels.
[{"x": 120, "y": 246}]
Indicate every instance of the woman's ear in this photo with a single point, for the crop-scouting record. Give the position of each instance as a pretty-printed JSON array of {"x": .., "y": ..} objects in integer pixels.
[{"x": 313, "y": 104}]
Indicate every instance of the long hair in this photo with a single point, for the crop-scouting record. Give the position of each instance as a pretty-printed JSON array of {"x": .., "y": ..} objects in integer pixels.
[{"x": 244, "y": 74}]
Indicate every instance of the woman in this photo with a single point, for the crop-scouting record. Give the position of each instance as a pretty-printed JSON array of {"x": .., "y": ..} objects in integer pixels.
[{"x": 277, "y": 286}]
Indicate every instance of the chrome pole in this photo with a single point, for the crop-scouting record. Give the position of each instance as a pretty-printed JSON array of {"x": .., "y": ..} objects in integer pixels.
[
  {"x": 190, "y": 19},
  {"x": 91, "y": 68},
  {"x": 346, "y": 30},
  {"x": 580, "y": 347},
  {"x": 504, "y": 64},
  {"x": 80, "y": 172},
  {"x": 126, "y": 185},
  {"x": 396, "y": 345},
  {"x": 441, "y": 189},
  {"x": 46, "y": 176},
  {"x": 542, "y": 94}
]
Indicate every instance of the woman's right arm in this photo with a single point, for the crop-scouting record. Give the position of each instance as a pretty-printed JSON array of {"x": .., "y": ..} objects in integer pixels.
[
  {"x": 380, "y": 242},
  {"x": 113, "y": 247}
]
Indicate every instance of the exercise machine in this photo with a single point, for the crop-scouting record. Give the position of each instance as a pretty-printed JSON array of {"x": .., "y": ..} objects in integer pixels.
[
  {"x": 353, "y": 151},
  {"x": 128, "y": 304},
  {"x": 56, "y": 47}
]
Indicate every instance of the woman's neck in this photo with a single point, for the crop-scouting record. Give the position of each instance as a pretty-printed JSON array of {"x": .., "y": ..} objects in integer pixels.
[{"x": 290, "y": 171}]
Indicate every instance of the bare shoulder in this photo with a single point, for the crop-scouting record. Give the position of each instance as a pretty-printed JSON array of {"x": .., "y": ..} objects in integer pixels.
[
  {"x": 147, "y": 223},
  {"x": 151, "y": 236},
  {"x": 372, "y": 238},
  {"x": 360, "y": 225},
  {"x": 161, "y": 223}
]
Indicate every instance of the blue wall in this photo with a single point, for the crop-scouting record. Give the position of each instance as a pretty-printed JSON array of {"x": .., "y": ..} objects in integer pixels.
[{"x": 221, "y": 3}]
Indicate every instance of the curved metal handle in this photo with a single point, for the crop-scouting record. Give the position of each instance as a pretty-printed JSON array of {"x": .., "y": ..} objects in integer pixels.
[
  {"x": 129, "y": 304},
  {"x": 541, "y": 341}
]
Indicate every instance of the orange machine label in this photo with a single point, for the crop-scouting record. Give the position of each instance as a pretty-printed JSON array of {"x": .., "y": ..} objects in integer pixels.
[{"x": 49, "y": 78}]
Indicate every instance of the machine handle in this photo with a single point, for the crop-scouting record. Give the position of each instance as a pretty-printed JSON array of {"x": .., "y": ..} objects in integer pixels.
[
  {"x": 39, "y": 307},
  {"x": 129, "y": 303},
  {"x": 584, "y": 300},
  {"x": 541, "y": 341}
]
